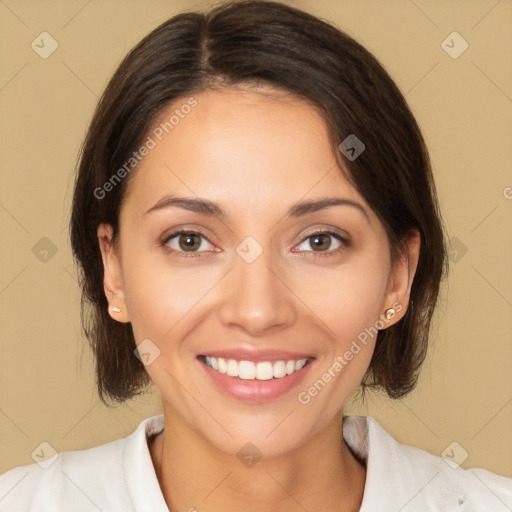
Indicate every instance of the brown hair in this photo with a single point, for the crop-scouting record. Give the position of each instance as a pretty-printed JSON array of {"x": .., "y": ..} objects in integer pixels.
[{"x": 260, "y": 42}]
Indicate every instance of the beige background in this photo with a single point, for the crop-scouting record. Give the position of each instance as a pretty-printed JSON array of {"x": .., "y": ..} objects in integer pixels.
[{"x": 464, "y": 106}]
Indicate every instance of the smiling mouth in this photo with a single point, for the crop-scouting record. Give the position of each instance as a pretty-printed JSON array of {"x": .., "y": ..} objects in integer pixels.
[{"x": 247, "y": 370}]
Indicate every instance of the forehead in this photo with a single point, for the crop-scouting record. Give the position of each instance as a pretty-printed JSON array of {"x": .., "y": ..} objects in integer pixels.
[{"x": 249, "y": 149}]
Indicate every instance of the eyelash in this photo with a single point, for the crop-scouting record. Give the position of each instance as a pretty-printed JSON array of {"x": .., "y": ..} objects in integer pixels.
[{"x": 185, "y": 254}]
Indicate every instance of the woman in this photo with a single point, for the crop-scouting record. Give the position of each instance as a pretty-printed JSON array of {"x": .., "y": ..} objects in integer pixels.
[{"x": 258, "y": 234}]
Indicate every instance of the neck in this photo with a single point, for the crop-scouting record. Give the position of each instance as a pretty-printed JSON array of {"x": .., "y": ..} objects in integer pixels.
[{"x": 321, "y": 475}]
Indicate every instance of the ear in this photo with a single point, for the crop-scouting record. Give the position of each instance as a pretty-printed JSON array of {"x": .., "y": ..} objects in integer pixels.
[
  {"x": 401, "y": 277},
  {"x": 112, "y": 276}
]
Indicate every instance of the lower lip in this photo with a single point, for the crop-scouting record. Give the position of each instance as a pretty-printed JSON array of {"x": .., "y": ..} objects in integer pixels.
[{"x": 255, "y": 391}]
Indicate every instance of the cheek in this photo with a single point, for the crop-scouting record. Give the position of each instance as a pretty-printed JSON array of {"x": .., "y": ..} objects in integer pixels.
[
  {"x": 350, "y": 299},
  {"x": 350, "y": 305},
  {"x": 160, "y": 295}
]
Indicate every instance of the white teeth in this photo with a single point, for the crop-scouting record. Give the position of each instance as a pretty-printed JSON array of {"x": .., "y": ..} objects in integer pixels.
[
  {"x": 232, "y": 369},
  {"x": 222, "y": 365},
  {"x": 264, "y": 371},
  {"x": 247, "y": 370},
  {"x": 279, "y": 369},
  {"x": 299, "y": 364}
]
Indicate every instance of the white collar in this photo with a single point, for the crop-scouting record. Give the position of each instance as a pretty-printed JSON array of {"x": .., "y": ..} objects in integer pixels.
[
  {"x": 137, "y": 465},
  {"x": 398, "y": 477}
]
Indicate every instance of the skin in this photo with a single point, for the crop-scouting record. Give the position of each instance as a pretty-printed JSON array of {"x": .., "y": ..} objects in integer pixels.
[{"x": 256, "y": 153}]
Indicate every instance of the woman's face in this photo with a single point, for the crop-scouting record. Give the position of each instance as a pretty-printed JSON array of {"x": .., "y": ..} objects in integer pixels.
[{"x": 280, "y": 275}]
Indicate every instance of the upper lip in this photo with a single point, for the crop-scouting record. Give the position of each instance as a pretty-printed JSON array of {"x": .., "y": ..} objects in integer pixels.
[{"x": 257, "y": 355}]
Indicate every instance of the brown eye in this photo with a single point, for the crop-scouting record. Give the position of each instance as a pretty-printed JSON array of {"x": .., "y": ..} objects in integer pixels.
[
  {"x": 189, "y": 242},
  {"x": 322, "y": 241},
  {"x": 181, "y": 242}
]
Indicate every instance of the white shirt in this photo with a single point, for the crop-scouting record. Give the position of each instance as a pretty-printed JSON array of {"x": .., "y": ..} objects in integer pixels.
[{"x": 120, "y": 477}]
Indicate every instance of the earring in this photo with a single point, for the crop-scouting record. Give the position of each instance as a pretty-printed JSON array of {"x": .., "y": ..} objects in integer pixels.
[
  {"x": 115, "y": 309},
  {"x": 389, "y": 313}
]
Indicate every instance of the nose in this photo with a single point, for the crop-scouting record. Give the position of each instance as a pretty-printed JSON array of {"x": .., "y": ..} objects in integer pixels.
[{"x": 257, "y": 299}]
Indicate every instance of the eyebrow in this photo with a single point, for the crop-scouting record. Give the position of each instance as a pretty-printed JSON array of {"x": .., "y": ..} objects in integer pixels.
[{"x": 212, "y": 209}]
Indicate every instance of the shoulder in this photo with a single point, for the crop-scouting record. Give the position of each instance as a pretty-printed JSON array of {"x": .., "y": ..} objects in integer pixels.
[
  {"x": 73, "y": 478},
  {"x": 412, "y": 479}
]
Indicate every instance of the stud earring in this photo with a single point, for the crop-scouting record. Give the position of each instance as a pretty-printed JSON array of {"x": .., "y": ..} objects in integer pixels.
[
  {"x": 115, "y": 309},
  {"x": 389, "y": 313}
]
